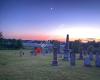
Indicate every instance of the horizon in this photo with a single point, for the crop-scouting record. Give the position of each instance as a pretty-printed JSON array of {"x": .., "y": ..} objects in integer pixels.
[{"x": 50, "y": 19}]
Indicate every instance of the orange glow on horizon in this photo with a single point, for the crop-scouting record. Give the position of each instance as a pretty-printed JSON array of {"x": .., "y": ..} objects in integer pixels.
[{"x": 47, "y": 37}]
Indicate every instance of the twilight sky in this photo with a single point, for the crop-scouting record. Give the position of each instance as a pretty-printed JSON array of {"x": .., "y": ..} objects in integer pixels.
[{"x": 50, "y": 19}]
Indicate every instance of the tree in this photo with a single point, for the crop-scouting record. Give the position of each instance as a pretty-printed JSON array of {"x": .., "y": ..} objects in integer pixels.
[
  {"x": 19, "y": 44},
  {"x": 1, "y": 40},
  {"x": 1, "y": 35}
]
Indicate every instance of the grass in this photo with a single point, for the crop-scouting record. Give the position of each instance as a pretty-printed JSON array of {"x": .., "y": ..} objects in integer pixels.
[{"x": 27, "y": 67}]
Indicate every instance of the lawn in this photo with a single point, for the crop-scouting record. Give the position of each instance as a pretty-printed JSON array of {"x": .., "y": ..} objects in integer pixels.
[{"x": 27, "y": 67}]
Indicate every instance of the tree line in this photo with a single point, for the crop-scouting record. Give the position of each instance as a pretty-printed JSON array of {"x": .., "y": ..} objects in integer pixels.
[
  {"x": 9, "y": 43},
  {"x": 77, "y": 46}
]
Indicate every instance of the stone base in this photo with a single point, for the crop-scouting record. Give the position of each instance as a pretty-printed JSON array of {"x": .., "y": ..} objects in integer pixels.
[{"x": 54, "y": 63}]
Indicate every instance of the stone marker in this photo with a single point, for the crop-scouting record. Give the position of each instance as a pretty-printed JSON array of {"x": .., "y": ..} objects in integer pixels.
[
  {"x": 91, "y": 56},
  {"x": 54, "y": 62},
  {"x": 67, "y": 50},
  {"x": 81, "y": 56},
  {"x": 43, "y": 51},
  {"x": 72, "y": 59},
  {"x": 97, "y": 62},
  {"x": 87, "y": 62}
]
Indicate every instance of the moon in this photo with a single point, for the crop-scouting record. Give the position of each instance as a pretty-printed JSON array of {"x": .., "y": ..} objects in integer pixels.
[{"x": 51, "y": 8}]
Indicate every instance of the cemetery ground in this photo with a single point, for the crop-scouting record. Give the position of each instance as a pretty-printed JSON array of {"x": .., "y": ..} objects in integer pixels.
[{"x": 27, "y": 67}]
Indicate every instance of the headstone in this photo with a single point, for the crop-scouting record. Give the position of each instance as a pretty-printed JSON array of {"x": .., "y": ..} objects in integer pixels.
[
  {"x": 91, "y": 56},
  {"x": 66, "y": 55},
  {"x": 72, "y": 59},
  {"x": 50, "y": 49},
  {"x": 67, "y": 50},
  {"x": 54, "y": 62},
  {"x": 97, "y": 62},
  {"x": 81, "y": 56},
  {"x": 43, "y": 51},
  {"x": 87, "y": 62},
  {"x": 47, "y": 51}
]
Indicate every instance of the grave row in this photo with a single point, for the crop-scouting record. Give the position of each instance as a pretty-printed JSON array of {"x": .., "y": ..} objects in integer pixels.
[{"x": 71, "y": 56}]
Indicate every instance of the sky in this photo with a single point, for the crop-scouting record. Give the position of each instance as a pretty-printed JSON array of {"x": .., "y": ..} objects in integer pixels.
[{"x": 50, "y": 19}]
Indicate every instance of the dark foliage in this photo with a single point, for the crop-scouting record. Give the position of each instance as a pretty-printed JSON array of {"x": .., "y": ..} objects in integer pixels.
[{"x": 10, "y": 44}]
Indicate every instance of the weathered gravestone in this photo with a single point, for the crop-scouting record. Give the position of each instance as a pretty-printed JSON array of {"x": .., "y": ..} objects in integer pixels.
[
  {"x": 67, "y": 50},
  {"x": 58, "y": 48},
  {"x": 81, "y": 56},
  {"x": 43, "y": 45},
  {"x": 55, "y": 62},
  {"x": 97, "y": 62},
  {"x": 87, "y": 62},
  {"x": 44, "y": 51},
  {"x": 91, "y": 56},
  {"x": 61, "y": 51},
  {"x": 72, "y": 59}
]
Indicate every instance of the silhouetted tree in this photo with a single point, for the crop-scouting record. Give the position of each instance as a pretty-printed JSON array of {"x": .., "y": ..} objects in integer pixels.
[
  {"x": 1, "y": 35},
  {"x": 19, "y": 44}
]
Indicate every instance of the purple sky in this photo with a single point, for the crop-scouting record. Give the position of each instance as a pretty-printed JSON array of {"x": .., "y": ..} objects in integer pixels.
[{"x": 38, "y": 19}]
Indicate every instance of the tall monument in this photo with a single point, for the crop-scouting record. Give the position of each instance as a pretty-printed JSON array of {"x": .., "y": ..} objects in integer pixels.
[
  {"x": 66, "y": 49},
  {"x": 55, "y": 51}
]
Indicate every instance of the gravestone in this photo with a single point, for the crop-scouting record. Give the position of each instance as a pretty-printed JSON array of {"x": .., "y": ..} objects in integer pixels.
[
  {"x": 43, "y": 45},
  {"x": 72, "y": 59},
  {"x": 43, "y": 51},
  {"x": 66, "y": 55},
  {"x": 87, "y": 62},
  {"x": 91, "y": 56},
  {"x": 54, "y": 62},
  {"x": 97, "y": 62},
  {"x": 47, "y": 50},
  {"x": 58, "y": 48},
  {"x": 61, "y": 51},
  {"x": 50, "y": 49},
  {"x": 81, "y": 56},
  {"x": 66, "y": 49}
]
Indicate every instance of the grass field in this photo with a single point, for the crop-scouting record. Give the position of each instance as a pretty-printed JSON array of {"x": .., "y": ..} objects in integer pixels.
[{"x": 27, "y": 67}]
